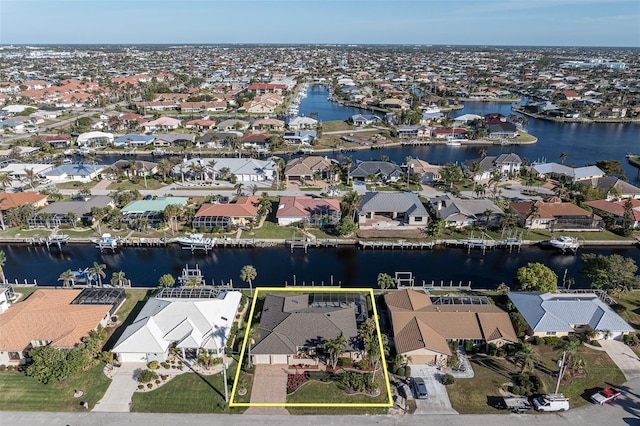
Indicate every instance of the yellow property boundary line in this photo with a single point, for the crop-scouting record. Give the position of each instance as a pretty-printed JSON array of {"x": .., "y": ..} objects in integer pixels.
[{"x": 259, "y": 290}]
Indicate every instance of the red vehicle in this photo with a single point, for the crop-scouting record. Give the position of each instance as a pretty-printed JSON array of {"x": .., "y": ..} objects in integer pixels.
[{"x": 605, "y": 396}]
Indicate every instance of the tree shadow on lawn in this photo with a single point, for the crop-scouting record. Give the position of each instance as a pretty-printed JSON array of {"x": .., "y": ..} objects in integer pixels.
[{"x": 494, "y": 366}]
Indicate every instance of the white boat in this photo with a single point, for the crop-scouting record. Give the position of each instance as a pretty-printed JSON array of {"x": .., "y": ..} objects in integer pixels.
[
  {"x": 195, "y": 241},
  {"x": 565, "y": 243},
  {"x": 453, "y": 142},
  {"x": 106, "y": 241},
  {"x": 431, "y": 109}
]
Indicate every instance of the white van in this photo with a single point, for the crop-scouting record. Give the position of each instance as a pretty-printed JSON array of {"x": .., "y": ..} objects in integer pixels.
[{"x": 551, "y": 402}]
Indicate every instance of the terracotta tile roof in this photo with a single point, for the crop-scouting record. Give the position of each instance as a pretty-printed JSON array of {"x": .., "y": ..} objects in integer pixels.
[
  {"x": 418, "y": 335},
  {"x": 407, "y": 300},
  {"x": 17, "y": 199},
  {"x": 616, "y": 208},
  {"x": 48, "y": 315},
  {"x": 550, "y": 210},
  {"x": 244, "y": 207}
]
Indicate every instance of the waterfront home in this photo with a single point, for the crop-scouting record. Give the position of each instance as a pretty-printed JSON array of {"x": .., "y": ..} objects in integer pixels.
[
  {"x": 427, "y": 172},
  {"x": 225, "y": 216},
  {"x": 391, "y": 211},
  {"x": 458, "y": 213},
  {"x": 162, "y": 123},
  {"x": 503, "y": 164},
  {"x": 614, "y": 188},
  {"x": 188, "y": 323},
  {"x": 233, "y": 124},
  {"x": 56, "y": 141},
  {"x": 256, "y": 140},
  {"x": 300, "y": 137},
  {"x": 200, "y": 125},
  {"x": 173, "y": 139},
  {"x": 502, "y": 131},
  {"x": 384, "y": 171},
  {"x": 465, "y": 118},
  {"x": 394, "y": 104},
  {"x": 577, "y": 174},
  {"x": 74, "y": 172},
  {"x": 52, "y": 317},
  {"x": 17, "y": 199},
  {"x": 425, "y": 327},
  {"x": 412, "y": 132},
  {"x": 308, "y": 210},
  {"x": 616, "y": 209},
  {"x": 361, "y": 120},
  {"x": 95, "y": 139},
  {"x": 294, "y": 328},
  {"x": 302, "y": 123},
  {"x": 562, "y": 314},
  {"x": 555, "y": 215},
  {"x": 308, "y": 168},
  {"x": 68, "y": 212},
  {"x": 133, "y": 140},
  {"x": 267, "y": 124},
  {"x": 450, "y": 133},
  {"x": 244, "y": 169},
  {"x": 264, "y": 88},
  {"x": 150, "y": 210},
  {"x": 18, "y": 171},
  {"x": 131, "y": 168}
]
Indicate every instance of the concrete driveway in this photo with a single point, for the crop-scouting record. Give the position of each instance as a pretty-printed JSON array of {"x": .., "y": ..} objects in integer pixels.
[
  {"x": 437, "y": 401},
  {"x": 117, "y": 398},
  {"x": 626, "y": 360}
]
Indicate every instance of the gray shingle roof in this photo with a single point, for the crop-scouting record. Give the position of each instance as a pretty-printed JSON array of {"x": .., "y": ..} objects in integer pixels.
[
  {"x": 392, "y": 202},
  {"x": 362, "y": 169}
]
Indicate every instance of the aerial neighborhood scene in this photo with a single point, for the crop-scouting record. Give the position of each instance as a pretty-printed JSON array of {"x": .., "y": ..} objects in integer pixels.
[{"x": 321, "y": 212}]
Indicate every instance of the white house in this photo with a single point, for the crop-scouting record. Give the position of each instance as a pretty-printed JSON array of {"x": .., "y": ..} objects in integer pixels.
[
  {"x": 185, "y": 323},
  {"x": 95, "y": 138}
]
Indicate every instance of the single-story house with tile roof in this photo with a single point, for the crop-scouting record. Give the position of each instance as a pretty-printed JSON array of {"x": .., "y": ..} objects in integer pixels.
[
  {"x": 133, "y": 140},
  {"x": 614, "y": 187},
  {"x": 423, "y": 329},
  {"x": 17, "y": 199},
  {"x": 150, "y": 210},
  {"x": 561, "y": 314},
  {"x": 47, "y": 317},
  {"x": 360, "y": 120},
  {"x": 555, "y": 170},
  {"x": 294, "y": 328},
  {"x": 95, "y": 139},
  {"x": 556, "y": 215},
  {"x": 56, "y": 141},
  {"x": 185, "y": 323},
  {"x": 384, "y": 170},
  {"x": 211, "y": 216},
  {"x": 257, "y": 140},
  {"x": 615, "y": 208},
  {"x": 458, "y": 213},
  {"x": 131, "y": 168},
  {"x": 504, "y": 164},
  {"x": 314, "y": 211},
  {"x": 450, "y": 134},
  {"x": 68, "y": 212},
  {"x": 171, "y": 139},
  {"x": 165, "y": 123},
  {"x": 77, "y": 172},
  {"x": 305, "y": 168},
  {"x": 391, "y": 211},
  {"x": 428, "y": 172}
]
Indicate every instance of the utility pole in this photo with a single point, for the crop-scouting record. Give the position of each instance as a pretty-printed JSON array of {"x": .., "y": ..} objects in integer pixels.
[
  {"x": 562, "y": 368},
  {"x": 224, "y": 372}
]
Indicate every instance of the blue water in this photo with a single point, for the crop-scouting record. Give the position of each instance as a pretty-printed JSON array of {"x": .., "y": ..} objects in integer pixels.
[{"x": 582, "y": 142}]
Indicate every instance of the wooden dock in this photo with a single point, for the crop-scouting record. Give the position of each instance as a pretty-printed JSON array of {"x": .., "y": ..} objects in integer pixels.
[{"x": 399, "y": 244}]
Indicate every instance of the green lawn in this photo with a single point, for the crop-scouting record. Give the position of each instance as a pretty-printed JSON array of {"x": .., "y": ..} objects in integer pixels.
[
  {"x": 334, "y": 126},
  {"x": 628, "y": 308},
  {"x": 25, "y": 291},
  {"x": 271, "y": 230},
  {"x": 152, "y": 183},
  {"x": 523, "y": 137},
  {"x": 76, "y": 185},
  {"x": 328, "y": 393},
  {"x": 22, "y": 393},
  {"x": 187, "y": 393},
  {"x": 479, "y": 394}
]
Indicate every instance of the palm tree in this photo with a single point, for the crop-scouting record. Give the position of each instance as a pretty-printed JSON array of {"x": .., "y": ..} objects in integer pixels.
[
  {"x": 563, "y": 156},
  {"x": 67, "y": 278},
  {"x": 171, "y": 213},
  {"x": 350, "y": 203},
  {"x": 72, "y": 216},
  {"x": 5, "y": 180},
  {"x": 335, "y": 347},
  {"x": 98, "y": 270},
  {"x": 164, "y": 167},
  {"x": 3, "y": 260},
  {"x": 385, "y": 281},
  {"x": 98, "y": 214},
  {"x": 247, "y": 274},
  {"x": 526, "y": 357},
  {"x": 31, "y": 176},
  {"x": 117, "y": 279},
  {"x": 482, "y": 152},
  {"x": 238, "y": 188}
]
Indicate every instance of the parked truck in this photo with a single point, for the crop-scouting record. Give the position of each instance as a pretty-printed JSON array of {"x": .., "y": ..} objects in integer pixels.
[{"x": 551, "y": 402}]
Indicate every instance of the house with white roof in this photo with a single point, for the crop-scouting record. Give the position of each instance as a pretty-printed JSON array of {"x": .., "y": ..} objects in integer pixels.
[
  {"x": 95, "y": 139},
  {"x": 188, "y": 324},
  {"x": 556, "y": 170},
  {"x": 301, "y": 123},
  {"x": 162, "y": 123},
  {"x": 561, "y": 314},
  {"x": 244, "y": 169}
]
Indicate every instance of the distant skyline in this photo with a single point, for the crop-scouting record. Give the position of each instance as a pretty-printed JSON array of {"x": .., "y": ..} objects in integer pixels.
[{"x": 606, "y": 23}]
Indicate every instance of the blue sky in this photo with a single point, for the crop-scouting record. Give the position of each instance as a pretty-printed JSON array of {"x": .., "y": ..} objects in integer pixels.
[{"x": 507, "y": 22}]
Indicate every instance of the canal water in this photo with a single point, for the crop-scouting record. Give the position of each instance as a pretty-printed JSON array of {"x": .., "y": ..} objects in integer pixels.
[
  {"x": 347, "y": 266},
  {"x": 583, "y": 143}
]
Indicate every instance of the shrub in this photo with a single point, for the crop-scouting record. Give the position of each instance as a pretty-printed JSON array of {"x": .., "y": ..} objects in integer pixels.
[
  {"x": 345, "y": 362},
  {"x": 150, "y": 385},
  {"x": 11, "y": 368},
  {"x": 407, "y": 371},
  {"x": 448, "y": 379},
  {"x": 140, "y": 386},
  {"x": 492, "y": 350},
  {"x": 153, "y": 365},
  {"x": 165, "y": 364},
  {"x": 164, "y": 377},
  {"x": 158, "y": 381},
  {"x": 468, "y": 346},
  {"x": 362, "y": 364},
  {"x": 217, "y": 360},
  {"x": 147, "y": 376},
  {"x": 501, "y": 352},
  {"x": 401, "y": 372},
  {"x": 628, "y": 339},
  {"x": 552, "y": 340},
  {"x": 537, "y": 340},
  {"x": 294, "y": 381},
  {"x": 3, "y": 367},
  {"x": 323, "y": 376},
  {"x": 179, "y": 362}
]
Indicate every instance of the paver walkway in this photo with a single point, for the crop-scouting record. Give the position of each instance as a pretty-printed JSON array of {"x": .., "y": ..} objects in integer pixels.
[
  {"x": 626, "y": 360},
  {"x": 269, "y": 386}
]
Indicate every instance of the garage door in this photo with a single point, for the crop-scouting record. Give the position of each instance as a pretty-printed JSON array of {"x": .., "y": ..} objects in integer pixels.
[
  {"x": 262, "y": 359},
  {"x": 133, "y": 357},
  {"x": 279, "y": 359}
]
